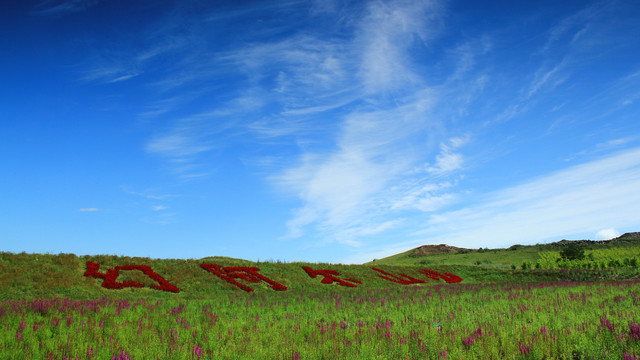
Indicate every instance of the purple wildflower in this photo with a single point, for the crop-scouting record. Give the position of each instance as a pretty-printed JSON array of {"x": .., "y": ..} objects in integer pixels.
[
  {"x": 634, "y": 331},
  {"x": 468, "y": 341},
  {"x": 478, "y": 332},
  {"x": 198, "y": 351},
  {"x": 606, "y": 323},
  {"x": 122, "y": 356}
]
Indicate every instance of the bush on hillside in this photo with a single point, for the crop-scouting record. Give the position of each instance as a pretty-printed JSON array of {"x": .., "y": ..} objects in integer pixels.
[
  {"x": 572, "y": 251},
  {"x": 615, "y": 263}
]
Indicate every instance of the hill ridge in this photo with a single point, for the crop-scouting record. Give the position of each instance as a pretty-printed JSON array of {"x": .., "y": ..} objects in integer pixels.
[{"x": 426, "y": 250}]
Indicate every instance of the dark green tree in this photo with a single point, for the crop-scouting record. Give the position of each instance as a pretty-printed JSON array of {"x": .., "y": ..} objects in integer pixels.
[{"x": 572, "y": 251}]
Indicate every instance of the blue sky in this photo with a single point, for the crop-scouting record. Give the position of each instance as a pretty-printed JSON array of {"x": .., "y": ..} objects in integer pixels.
[{"x": 320, "y": 131}]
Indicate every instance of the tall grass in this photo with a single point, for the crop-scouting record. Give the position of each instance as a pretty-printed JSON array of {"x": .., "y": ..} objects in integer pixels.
[
  {"x": 50, "y": 310},
  {"x": 493, "y": 321}
]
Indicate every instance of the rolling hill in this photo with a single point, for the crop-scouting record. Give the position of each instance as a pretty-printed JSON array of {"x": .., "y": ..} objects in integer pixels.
[{"x": 443, "y": 254}]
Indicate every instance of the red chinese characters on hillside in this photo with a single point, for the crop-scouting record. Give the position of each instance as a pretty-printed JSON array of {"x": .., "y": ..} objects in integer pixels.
[
  {"x": 450, "y": 278},
  {"x": 329, "y": 277},
  {"x": 246, "y": 273},
  {"x": 250, "y": 274},
  {"x": 109, "y": 281},
  {"x": 397, "y": 279}
]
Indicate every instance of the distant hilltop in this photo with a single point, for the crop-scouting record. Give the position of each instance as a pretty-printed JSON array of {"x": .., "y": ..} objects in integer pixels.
[
  {"x": 622, "y": 238},
  {"x": 631, "y": 235},
  {"x": 426, "y": 250}
]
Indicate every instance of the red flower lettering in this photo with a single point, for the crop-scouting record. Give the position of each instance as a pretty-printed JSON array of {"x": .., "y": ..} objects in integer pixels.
[
  {"x": 110, "y": 282},
  {"x": 449, "y": 278},
  {"x": 246, "y": 273},
  {"x": 329, "y": 277},
  {"x": 397, "y": 279}
]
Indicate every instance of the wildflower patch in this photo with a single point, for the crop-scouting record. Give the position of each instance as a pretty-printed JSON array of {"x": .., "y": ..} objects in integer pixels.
[{"x": 250, "y": 274}]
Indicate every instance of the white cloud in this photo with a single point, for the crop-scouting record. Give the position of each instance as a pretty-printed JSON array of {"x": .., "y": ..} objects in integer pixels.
[
  {"x": 447, "y": 161},
  {"x": 543, "y": 76},
  {"x": 149, "y": 196},
  {"x": 345, "y": 189},
  {"x": 89, "y": 209},
  {"x": 613, "y": 143},
  {"x": 52, "y": 7},
  {"x": 385, "y": 34},
  {"x": 110, "y": 73},
  {"x": 575, "y": 25},
  {"x": 159, "y": 207},
  {"x": 577, "y": 201},
  {"x": 607, "y": 234},
  {"x": 178, "y": 144}
]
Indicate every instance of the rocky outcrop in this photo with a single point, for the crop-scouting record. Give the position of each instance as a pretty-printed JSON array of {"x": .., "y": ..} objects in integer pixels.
[
  {"x": 631, "y": 235},
  {"x": 425, "y": 250}
]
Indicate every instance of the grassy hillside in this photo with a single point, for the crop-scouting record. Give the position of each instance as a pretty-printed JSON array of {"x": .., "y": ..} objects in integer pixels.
[
  {"x": 430, "y": 255},
  {"x": 495, "y": 312},
  {"x": 28, "y": 276}
]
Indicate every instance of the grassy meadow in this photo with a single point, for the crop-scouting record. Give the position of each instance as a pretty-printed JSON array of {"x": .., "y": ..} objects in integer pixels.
[{"x": 542, "y": 309}]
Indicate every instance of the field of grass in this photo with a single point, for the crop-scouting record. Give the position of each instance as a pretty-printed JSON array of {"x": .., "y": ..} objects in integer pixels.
[{"x": 49, "y": 309}]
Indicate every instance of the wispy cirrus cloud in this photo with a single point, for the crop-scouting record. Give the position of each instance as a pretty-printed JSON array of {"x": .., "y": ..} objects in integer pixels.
[
  {"x": 578, "y": 201},
  {"x": 110, "y": 74},
  {"x": 545, "y": 77},
  {"x": 88, "y": 209},
  {"x": 371, "y": 133},
  {"x": 62, "y": 7},
  {"x": 582, "y": 198}
]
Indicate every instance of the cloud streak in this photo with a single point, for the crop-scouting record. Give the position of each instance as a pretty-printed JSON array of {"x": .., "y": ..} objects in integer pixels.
[
  {"x": 58, "y": 8},
  {"x": 358, "y": 111},
  {"x": 581, "y": 199}
]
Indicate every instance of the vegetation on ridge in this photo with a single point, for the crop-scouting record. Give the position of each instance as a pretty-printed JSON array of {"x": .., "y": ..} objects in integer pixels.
[{"x": 52, "y": 311}]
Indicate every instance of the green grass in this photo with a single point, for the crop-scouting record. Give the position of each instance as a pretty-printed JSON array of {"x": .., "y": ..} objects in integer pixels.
[
  {"x": 515, "y": 255},
  {"x": 556, "y": 321},
  {"x": 50, "y": 310},
  {"x": 28, "y": 276}
]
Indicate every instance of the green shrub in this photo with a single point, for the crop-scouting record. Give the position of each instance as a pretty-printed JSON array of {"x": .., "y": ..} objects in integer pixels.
[{"x": 572, "y": 251}]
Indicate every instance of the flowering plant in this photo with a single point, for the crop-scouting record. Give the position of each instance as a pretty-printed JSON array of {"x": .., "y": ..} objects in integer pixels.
[
  {"x": 250, "y": 274},
  {"x": 246, "y": 273},
  {"x": 329, "y": 277},
  {"x": 397, "y": 279},
  {"x": 110, "y": 282},
  {"x": 449, "y": 278}
]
